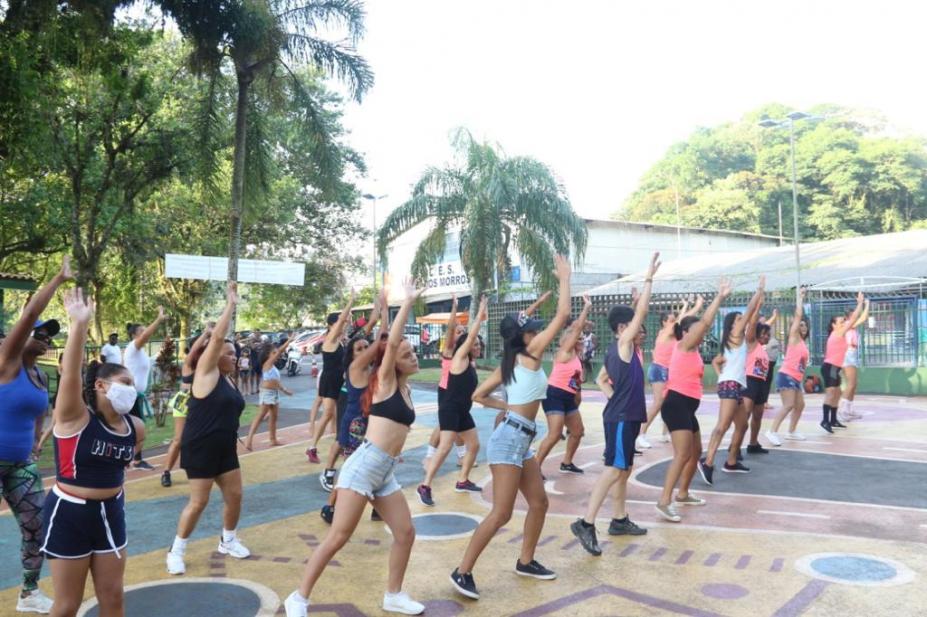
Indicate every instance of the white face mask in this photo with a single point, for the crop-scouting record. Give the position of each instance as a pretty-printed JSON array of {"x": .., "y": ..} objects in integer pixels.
[{"x": 122, "y": 397}]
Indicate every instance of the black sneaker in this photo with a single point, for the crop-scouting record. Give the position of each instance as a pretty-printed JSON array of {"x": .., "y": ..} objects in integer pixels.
[
  {"x": 638, "y": 452},
  {"x": 826, "y": 426},
  {"x": 586, "y": 536},
  {"x": 424, "y": 495},
  {"x": 534, "y": 570},
  {"x": 467, "y": 487},
  {"x": 166, "y": 479},
  {"x": 570, "y": 468},
  {"x": 328, "y": 513},
  {"x": 625, "y": 527},
  {"x": 143, "y": 465},
  {"x": 837, "y": 424},
  {"x": 464, "y": 584},
  {"x": 327, "y": 480},
  {"x": 740, "y": 456},
  {"x": 375, "y": 516},
  {"x": 755, "y": 448},
  {"x": 737, "y": 467},
  {"x": 706, "y": 471}
]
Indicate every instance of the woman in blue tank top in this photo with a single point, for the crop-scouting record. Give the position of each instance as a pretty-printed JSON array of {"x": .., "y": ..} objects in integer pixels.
[
  {"x": 95, "y": 440},
  {"x": 23, "y": 403}
]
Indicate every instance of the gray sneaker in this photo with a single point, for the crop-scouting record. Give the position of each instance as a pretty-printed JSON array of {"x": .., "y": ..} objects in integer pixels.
[
  {"x": 586, "y": 536},
  {"x": 625, "y": 527}
]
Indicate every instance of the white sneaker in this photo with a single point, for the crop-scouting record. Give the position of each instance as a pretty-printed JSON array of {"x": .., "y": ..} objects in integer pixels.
[
  {"x": 401, "y": 603},
  {"x": 773, "y": 438},
  {"x": 665, "y": 438},
  {"x": 796, "y": 436},
  {"x": 34, "y": 602},
  {"x": 642, "y": 443},
  {"x": 295, "y": 606},
  {"x": 175, "y": 564},
  {"x": 235, "y": 548}
]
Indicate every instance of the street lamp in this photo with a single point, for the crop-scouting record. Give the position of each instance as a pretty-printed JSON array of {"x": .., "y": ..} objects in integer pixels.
[
  {"x": 374, "y": 199},
  {"x": 790, "y": 120}
]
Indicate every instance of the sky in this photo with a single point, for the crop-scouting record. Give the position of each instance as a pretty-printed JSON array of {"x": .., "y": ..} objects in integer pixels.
[{"x": 599, "y": 90}]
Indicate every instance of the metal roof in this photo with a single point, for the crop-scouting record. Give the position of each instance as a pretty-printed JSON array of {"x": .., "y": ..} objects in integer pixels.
[
  {"x": 878, "y": 262},
  {"x": 17, "y": 281}
]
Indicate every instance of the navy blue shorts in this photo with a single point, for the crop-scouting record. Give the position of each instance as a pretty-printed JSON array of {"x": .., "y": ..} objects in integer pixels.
[
  {"x": 559, "y": 401},
  {"x": 76, "y": 528},
  {"x": 619, "y": 443}
]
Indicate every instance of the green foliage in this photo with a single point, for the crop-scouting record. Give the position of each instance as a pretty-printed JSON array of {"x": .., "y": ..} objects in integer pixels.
[{"x": 852, "y": 177}]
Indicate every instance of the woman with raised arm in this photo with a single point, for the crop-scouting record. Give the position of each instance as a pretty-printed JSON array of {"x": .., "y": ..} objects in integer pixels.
[
  {"x": 658, "y": 372},
  {"x": 209, "y": 445},
  {"x": 23, "y": 406},
  {"x": 791, "y": 377},
  {"x": 136, "y": 359},
  {"x": 454, "y": 416},
  {"x": 851, "y": 365},
  {"x": 271, "y": 387},
  {"x": 684, "y": 394},
  {"x": 95, "y": 439},
  {"x": 834, "y": 355},
  {"x": 561, "y": 407},
  {"x": 511, "y": 461},
  {"x": 368, "y": 475},
  {"x": 332, "y": 377},
  {"x": 178, "y": 404},
  {"x": 731, "y": 367}
]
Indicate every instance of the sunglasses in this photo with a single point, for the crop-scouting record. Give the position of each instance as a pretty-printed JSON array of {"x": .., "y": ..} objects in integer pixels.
[{"x": 42, "y": 337}]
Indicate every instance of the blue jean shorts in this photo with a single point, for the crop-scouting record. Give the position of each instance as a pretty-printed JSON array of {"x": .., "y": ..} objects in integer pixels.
[
  {"x": 369, "y": 471},
  {"x": 784, "y": 382},
  {"x": 269, "y": 397},
  {"x": 657, "y": 373},
  {"x": 851, "y": 358},
  {"x": 510, "y": 442}
]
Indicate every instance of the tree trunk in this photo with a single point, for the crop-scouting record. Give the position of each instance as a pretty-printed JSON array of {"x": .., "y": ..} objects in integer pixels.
[
  {"x": 184, "y": 334},
  {"x": 98, "y": 313},
  {"x": 238, "y": 179}
]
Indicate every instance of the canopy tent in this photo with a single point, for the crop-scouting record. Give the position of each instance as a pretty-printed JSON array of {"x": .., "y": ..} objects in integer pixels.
[
  {"x": 442, "y": 318},
  {"x": 17, "y": 282}
]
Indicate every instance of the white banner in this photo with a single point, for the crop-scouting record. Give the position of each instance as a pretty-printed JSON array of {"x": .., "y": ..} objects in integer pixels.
[
  {"x": 249, "y": 270},
  {"x": 447, "y": 277}
]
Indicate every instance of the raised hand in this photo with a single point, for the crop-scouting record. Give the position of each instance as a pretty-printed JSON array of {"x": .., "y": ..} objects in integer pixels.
[
  {"x": 412, "y": 293},
  {"x": 635, "y": 295},
  {"x": 860, "y": 298},
  {"x": 65, "y": 273},
  {"x": 654, "y": 265},
  {"x": 544, "y": 297},
  {"x": 562, "y": 267},
  {"x": 587, "y": 303},
  {"x": 483, "y": 313},
  {"x": 231, "y": 293},
  {"x": 724, "y": 287},
  {"x": 762, "y": 283},
  {"x": 161, "y": 315},
  {"x": 79, "y": 309}
]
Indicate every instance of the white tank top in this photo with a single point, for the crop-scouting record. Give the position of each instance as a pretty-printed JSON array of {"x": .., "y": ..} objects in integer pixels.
[{"x": 735, "y": 365}]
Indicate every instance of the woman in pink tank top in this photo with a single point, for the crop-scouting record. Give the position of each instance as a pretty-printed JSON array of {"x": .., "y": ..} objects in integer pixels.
[
  {"x": 834, "y": 354},
  {"x": 684, "y": 393},
  {"x": 851, "y": 366},
  {"x": 791, "y": 377}
]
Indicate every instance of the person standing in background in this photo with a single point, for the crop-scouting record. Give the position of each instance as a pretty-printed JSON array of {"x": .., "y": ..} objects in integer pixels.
[
  {"x": 590, "y": 345},
  {"x": 110, "y": 352},
  {"x": 136, "y": 359}
]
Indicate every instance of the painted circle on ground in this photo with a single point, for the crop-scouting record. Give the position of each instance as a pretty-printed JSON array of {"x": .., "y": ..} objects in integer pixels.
[
  {"x": 724, "y": 591},
  {"x": 206, "y": 597},
  {"x": 444, "y": 526},
  {"x": 855, "y": 569}
]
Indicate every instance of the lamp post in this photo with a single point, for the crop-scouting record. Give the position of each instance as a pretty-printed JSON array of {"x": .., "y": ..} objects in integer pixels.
[
  {"x": 374, "y": 199},
  {"x": 790, "y": 121}
]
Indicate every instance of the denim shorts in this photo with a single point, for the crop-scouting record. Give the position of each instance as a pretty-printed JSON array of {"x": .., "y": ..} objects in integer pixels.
[
  {"x": 731, "y": 389},
  {"x": 851, "y": 358},
  {"x": 784, "y": 382},
  {"x": 510, "y": 442},
  {"x": 269, "y": 397},
  {"x": 369, "y": 471},
  {"x": 657, "y": 373}
]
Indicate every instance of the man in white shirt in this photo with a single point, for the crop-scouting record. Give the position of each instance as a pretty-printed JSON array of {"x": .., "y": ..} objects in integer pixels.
[
  {"x": 139, "y": 364},
  {"x": 111, "y": 353}
]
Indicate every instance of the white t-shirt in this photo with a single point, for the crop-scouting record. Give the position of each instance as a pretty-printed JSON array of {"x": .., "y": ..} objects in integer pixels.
[
  {"x": 139, "y": 364},
  {"x": 111, "y": 353}
]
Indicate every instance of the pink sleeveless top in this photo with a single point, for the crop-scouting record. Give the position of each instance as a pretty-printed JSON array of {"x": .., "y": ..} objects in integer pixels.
[
  {"x": 685, "y": 372},
  {"x": 758, "y": 362},
  {"x": 836, "y": 350},
  {"x": 796, "y": 361},
  {"x": 445, "y": 372},
  {"x": 663, "y": 352},
  {"x": 567, "y": 375}
]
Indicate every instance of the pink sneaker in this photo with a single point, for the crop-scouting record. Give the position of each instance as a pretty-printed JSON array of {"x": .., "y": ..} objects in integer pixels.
[{"x": 313, "y": 455}]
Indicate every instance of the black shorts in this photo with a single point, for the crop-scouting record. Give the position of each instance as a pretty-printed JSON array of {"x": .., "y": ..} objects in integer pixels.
[
  {"x": 678, "y": 412},
  {"x": 619, "y": 443},
  {"x": 560, "y": 401},
  {"x": 209, "y": 456},
  {"x": 831, "y": 375},
  {"x": 339, "y": 412},
  {"x": 769, "y": 380},
  {"x": 330, "y": 385},
  {"x": 453, "y": 418},
  {"x": 756, "y": 390},
  {"x": 75, "y": 528}
]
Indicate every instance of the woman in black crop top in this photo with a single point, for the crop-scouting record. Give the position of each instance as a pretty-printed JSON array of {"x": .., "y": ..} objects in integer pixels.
[
  {"x": 368, "y": 474},
  {"x": 454, "y": 416},
  {"x": 209, "y": 444},
  {"x": 92, "y": 450}
]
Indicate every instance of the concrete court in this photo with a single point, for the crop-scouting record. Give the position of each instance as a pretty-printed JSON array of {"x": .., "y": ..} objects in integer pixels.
[{"x": 836, "y": 525}]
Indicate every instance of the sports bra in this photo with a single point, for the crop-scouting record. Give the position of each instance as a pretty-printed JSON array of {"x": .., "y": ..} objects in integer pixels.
[
  {"x": 273, "y": 373},
  {"x": 96, "y": 456},
  {"x": 394, "y": 408},
  {"x": 526, "y": 386},
  {"x": 735, "y": 365}
]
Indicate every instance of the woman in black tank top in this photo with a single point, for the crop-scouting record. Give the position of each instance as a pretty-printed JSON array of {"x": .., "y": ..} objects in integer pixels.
[
  {"x": 368, "y": 474},
  {"x": 454, "y": 417}
]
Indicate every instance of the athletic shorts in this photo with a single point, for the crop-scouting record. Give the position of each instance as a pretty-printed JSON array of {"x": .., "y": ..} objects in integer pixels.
[
  {"x": 657, "y": 373},
  {"x": 756, "y": 390},
  {"x": 269, "y": 397},
  {"x": 678, "y": 412},
  {"x": 851, "y": 358},
  {"x": 619, "y": 443},
  {"x": 340, "y": 406},
  {"x": 559, "y": 401},
  {"x": 75, "y": 528},
  {"x": 830, "y": 374},
  {"x": 784, "y": 382},
  {"x": 210, "y": 456},
  {"x": 453, "y": 418},
  {"x": 731, "y": 390},
  {"x": 370, "y": 472},
  {"x": 510, "y": 442},
  {"x": 330, "y": 385}
]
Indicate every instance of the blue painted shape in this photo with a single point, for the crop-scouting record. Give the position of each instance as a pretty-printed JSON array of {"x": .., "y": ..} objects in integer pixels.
[
  {"x": 443, "y": 524},
  {"x": 203, "y": 599},
  {"x": 856, "y": 569}
]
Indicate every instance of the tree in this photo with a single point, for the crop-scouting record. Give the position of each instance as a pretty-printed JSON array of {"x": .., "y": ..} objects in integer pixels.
[{"x": 499, "y": 203}]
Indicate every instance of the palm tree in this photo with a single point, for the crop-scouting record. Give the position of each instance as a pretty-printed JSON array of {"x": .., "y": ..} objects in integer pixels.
[{"x": 498, "y": 203}]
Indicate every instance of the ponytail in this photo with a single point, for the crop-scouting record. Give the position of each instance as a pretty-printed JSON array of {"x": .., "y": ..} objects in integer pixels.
[
  {"x": 681, "y": 327},
  {"x": 97, "y": 370}
]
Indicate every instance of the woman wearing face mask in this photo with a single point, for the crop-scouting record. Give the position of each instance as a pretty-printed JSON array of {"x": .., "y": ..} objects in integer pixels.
[
  {"x": 23, "y": 404},
  {"x": 95, "y": 439},
  {"x": 208, "y": 448}
]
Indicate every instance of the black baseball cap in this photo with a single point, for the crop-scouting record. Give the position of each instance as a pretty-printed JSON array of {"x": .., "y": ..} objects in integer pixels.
[
  {"x": 51, "y": 326},
  {"x": 513, "y": 326}
]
